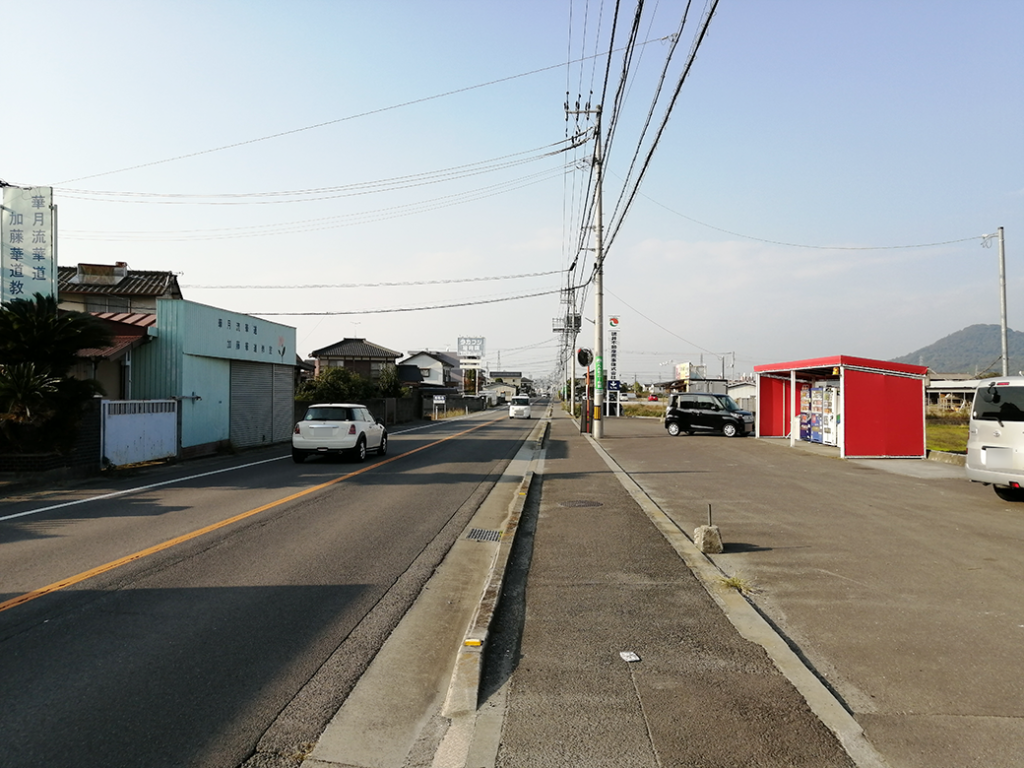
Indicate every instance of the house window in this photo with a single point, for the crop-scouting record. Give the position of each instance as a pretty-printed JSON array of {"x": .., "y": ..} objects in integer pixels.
[
  {"x": 425, "y": 373},
  {"x": 107, "y": 304}
]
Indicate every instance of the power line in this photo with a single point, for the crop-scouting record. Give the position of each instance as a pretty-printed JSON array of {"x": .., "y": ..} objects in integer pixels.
[
  {"x": 664, "y": 122},
  {"x": 654, "y": 103},
  {"x": 325, "y": 193},
  {"x": 805, "y": 245},
  {"x": 380, "y": 285},
  {"x": 326, "y": 123},
  {"x": 405, "y": 309},
  {"x": 327, "y": 222},
  {"x": 659, "y": 325}
]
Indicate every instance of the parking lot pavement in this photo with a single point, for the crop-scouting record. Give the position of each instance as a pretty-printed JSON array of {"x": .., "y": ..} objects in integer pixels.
[{"x": 898, "y": 582}]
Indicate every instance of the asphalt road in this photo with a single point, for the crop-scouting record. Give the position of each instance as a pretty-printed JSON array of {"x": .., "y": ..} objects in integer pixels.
[{"x": 217, "y": 613}]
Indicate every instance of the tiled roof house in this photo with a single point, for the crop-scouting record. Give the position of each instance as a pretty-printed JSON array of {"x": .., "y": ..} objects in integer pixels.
[
  {"x": 113, "y": 288},
  {"x": 358, "y": 355}
]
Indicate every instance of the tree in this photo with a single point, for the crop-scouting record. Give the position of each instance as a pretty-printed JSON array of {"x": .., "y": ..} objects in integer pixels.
[
  {"x": 40, "y": 405},
  {"x": 335, "y": 385},
  {"x": 34, "y": 331},
  {"x": 26, "y": 400},
  {"x": 389, "y": 384}
]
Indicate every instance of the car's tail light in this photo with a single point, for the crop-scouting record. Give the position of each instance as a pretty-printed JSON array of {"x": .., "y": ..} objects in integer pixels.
[
  {"x": 351, "y": 429},
  {"x": 297, "y": 430}
]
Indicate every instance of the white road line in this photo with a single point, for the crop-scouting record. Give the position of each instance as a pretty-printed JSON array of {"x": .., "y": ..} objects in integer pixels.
[
  {"x": 137, "y": 489},
  {"x": 181, "y": 479}
]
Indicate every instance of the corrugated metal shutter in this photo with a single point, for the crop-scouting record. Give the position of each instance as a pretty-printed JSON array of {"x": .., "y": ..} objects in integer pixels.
[
  {"x": 284, "y": 402},
  {"x": 252, "y": 404}
]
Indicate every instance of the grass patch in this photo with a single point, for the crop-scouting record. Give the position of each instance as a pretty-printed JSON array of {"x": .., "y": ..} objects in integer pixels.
[
  {"x": 451, "y": 413},
  {"x": 741, "y": 584},
  {"x": 643, "y": 409},
  {"x": 945, "y": 433}
]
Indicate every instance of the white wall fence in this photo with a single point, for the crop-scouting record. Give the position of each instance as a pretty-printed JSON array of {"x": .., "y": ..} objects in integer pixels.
[{"x": 135, "y": 431}]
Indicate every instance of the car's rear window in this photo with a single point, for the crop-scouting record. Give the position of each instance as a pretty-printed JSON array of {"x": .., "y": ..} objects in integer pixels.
[
  {"x": 994, "y": 403},
  {"x": 329, "y": 414}
]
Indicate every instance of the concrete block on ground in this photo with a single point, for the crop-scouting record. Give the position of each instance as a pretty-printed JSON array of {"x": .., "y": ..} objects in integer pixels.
[{"x": 708, "y": 539}]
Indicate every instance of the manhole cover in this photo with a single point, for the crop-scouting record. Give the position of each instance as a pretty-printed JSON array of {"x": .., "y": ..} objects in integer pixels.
[{"x": 580, "y": 503}]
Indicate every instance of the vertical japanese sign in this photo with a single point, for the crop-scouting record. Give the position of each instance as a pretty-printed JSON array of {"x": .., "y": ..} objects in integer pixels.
[
  {"x": 28, "y": 248},
  {"x": 613, "y": 368}
]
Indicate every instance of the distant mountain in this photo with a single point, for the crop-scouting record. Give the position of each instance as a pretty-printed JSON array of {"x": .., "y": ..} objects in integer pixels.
[{"x": 975, "y": 349}]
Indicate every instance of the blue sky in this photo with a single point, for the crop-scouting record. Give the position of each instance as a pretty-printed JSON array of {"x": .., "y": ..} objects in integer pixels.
[{"x": 854, "y": 125}]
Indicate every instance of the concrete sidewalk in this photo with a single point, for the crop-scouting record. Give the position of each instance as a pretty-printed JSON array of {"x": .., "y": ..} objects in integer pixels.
[{"x": 627, "y": 657}]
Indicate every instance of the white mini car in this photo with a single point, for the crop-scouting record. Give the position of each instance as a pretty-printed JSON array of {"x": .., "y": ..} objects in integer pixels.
[
  {"x": 338, "y": 428},
  {"x": 519, "y": 408}
]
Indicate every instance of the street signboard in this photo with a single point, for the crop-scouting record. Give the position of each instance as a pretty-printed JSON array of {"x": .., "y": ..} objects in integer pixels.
[
  {"x": 470, "y": 346},
  {"x": 28, "y": 235}
]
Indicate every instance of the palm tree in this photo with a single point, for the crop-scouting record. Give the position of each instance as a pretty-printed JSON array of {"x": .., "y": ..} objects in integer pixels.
[
  {"x": 26, "y": 400},
  {"x": 35, "y": 331},
  {"x": 40, "y": 405}
]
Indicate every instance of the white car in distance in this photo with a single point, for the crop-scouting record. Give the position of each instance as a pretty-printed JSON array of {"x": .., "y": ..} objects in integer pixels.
[
  {"x": 341, "y": 429},
  {"x": 519, "y": 407}
]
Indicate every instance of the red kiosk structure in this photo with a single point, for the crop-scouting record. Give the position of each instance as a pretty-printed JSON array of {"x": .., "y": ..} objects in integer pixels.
[{"x": 867, "y": 408}]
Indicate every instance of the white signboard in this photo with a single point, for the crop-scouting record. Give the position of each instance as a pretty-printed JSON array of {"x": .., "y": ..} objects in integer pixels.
[
  {"x": 28, "y": 243},
  {"x": 439, "y": 399},
  {"x": 471, "y": 346},
  {"x": 613, "y": 368}
]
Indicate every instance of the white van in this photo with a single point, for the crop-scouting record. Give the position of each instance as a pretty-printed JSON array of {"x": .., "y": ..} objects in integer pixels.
[
  {"x": 995, "y": 442},
  {"x": 519, "y": 408}
]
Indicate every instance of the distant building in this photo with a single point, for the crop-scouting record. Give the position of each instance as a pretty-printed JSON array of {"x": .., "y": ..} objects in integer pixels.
[
  {"x": 112, "y": 365},
  {"x": 357, "y": 355},
  {"x": 437, "y": 369},
  {"x": 113, "y": 288},
  {"x": 512, "y": 379},
  {"x": 951, "y": 392}
]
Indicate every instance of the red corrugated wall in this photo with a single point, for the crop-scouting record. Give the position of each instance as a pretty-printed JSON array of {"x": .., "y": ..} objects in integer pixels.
[
  {"x": 773, "y": 401},
  {"x": 882, "y": 415}
]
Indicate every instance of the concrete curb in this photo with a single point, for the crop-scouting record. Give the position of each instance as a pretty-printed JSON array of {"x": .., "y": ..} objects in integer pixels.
[
  {"x": 753, "y": 627},
  {"x": 401, "y": 698},
  {"x": 944, "y": 457},
  {"x": 463, "y": 691},
  {"x": 461, "y": 703}
]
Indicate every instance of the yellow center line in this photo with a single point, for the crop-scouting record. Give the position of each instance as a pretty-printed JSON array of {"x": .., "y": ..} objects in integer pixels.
[{"x": 113, "y": 564}]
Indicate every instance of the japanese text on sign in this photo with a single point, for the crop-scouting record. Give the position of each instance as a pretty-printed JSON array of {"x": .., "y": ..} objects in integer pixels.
[{"x": 27, "y": 259}]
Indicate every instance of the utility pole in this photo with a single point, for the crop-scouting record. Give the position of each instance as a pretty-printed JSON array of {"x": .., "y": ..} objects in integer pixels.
[
  {"x": 598, "y": 430},
  {"x": 1002, "y": 300},
  {"x": 1002, "y": 294},
  {"x": 597, "y": 426}
]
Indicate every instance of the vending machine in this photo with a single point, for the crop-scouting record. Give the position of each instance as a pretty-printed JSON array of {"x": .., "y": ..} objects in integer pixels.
[
  {"x": 805, "y": 412},
  {"x": 830, "y": 416},
  {"x": 817, "y": 406}
]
